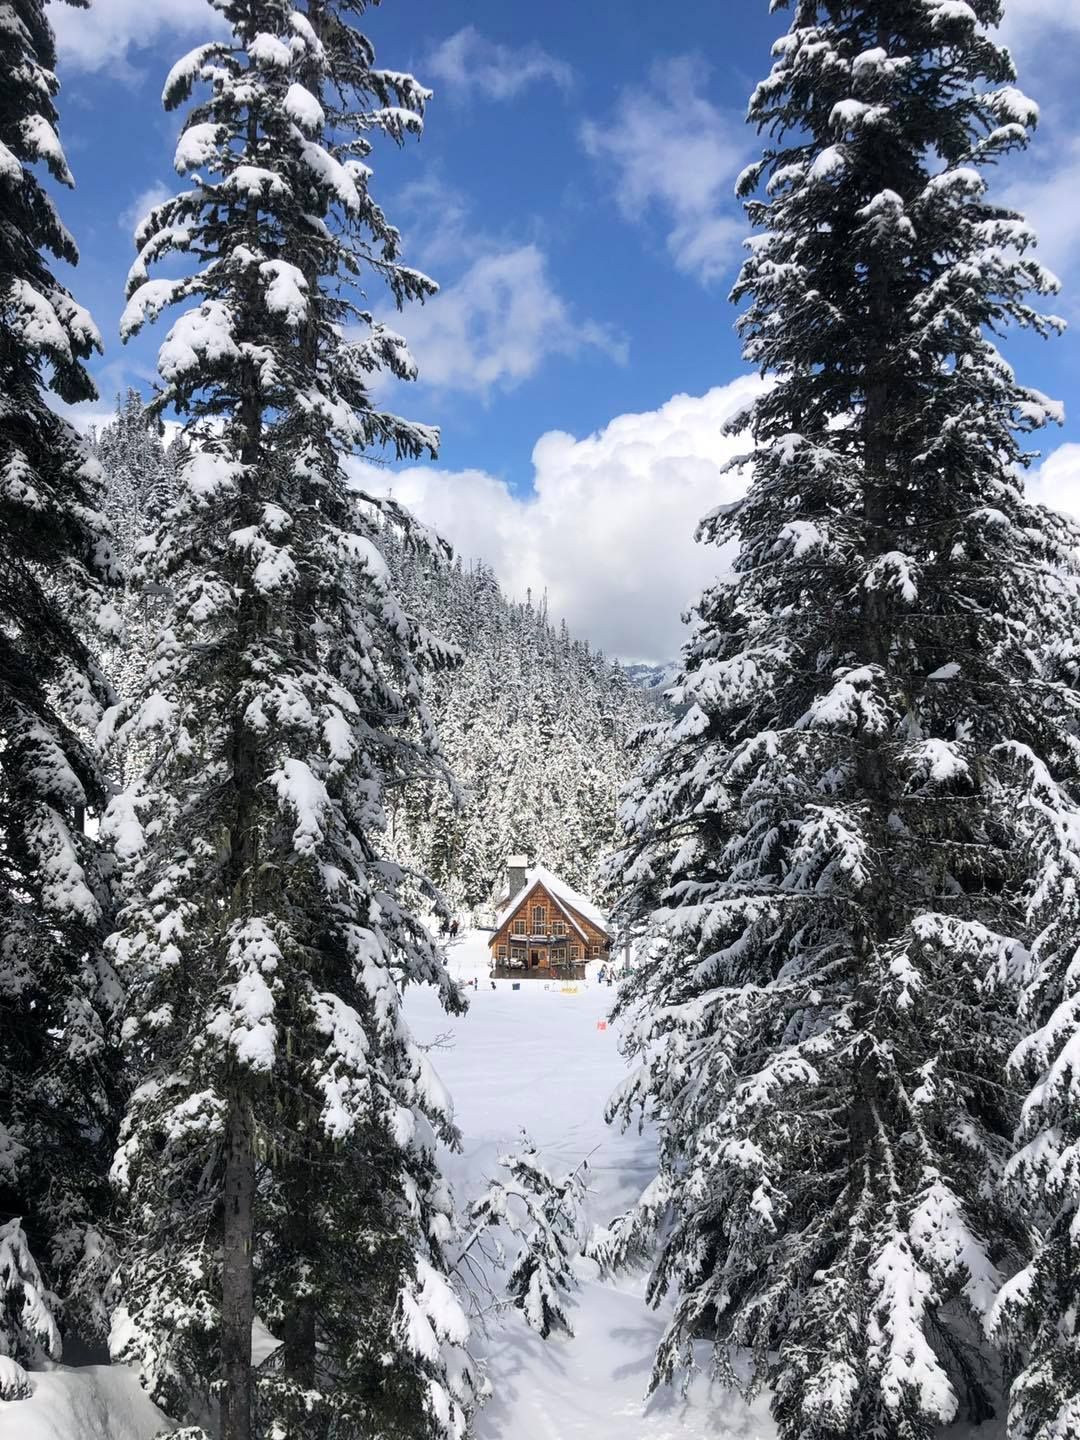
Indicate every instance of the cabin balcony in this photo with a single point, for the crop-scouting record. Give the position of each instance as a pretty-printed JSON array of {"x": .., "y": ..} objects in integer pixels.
[{"x": 538, "y": 957}]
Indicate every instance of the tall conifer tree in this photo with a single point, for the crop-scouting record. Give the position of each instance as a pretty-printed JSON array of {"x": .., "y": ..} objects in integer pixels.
[
  {"x": 1036, "y": 1313},
  {"x": 54, "y": 562},
  {"x": 829, "y": 848},
  {"x": 278, "y": 1156}
]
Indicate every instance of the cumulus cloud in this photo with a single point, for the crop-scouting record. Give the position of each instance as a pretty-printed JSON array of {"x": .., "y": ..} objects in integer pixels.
[
  {"x": 102, "y": 37},
  {"x": 1056, "y": 482},
  {"x": 495, "y": 326},
  {"x": 608, "y": 530},
  {"x": 671, "y": 150},
  {"x": 1033, "y": 25},
  {"x": 1049, "y": 197},
  {"x": 469, "y": 64}
]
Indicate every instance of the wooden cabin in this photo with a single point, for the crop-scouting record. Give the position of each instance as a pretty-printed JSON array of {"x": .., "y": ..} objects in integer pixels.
[{"x": 545, "y": 930}]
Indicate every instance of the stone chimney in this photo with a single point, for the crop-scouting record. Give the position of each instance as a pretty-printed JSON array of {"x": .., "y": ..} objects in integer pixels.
[{"x": 516, "y": 869}]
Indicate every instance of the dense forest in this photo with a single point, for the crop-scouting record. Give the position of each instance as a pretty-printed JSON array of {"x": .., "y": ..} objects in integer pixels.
[{"x": 534, "y": 728}]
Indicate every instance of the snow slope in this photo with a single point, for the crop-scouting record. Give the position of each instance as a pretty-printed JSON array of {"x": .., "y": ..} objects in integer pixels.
[
  {"x": 95, "y": 1402},
  {"x": 535, "y": 1057}
]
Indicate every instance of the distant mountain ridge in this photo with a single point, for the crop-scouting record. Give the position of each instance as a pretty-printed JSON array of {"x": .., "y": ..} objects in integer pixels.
[{"x": 653, "y": 679}]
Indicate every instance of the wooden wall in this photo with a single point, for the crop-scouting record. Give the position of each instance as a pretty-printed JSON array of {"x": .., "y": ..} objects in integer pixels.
[{"x": 541, "y": 914}]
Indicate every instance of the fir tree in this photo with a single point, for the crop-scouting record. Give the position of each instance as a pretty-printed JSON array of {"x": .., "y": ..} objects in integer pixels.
[
  {"x": 278, "y": 1156},
  {"x": 1035, "y": 1314},
  {"x": 139, "y": 486},
  {"x": 828, "y": 848},
  {"x": 545, "y": 1215},
  {"x": 55, "y": 990}
]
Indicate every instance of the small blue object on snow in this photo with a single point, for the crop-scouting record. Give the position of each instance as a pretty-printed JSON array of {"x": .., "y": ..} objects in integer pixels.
[{"x": 515, "y": 985}]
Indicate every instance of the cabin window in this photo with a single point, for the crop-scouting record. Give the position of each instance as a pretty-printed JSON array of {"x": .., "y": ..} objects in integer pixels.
[
  {"x": 574, "y": 952},
  {"x": 597, "y": 949},
  {"x": 538, "y": 918},
  {"x": 559, "y": 927},
  {"x": 502, "y": 952},
  {"x": 519, "y": 927}
]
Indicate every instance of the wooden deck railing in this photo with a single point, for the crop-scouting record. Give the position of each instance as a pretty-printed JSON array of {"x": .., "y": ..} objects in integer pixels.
[{"x": 569, "y": 970}]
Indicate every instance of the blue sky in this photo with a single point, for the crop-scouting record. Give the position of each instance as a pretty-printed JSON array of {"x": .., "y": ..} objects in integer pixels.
[{"x": 573, "y": 196}]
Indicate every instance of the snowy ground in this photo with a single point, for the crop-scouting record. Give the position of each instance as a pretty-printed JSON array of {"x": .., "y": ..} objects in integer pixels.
[
  {"x": 95, "y": 1402},
  {"x": 531, "y": 1057},
  {"x": 535, "y": 1057}
]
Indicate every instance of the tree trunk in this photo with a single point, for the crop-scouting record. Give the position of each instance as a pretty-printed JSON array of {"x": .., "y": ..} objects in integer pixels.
[{"x": 237, "y": 1277}]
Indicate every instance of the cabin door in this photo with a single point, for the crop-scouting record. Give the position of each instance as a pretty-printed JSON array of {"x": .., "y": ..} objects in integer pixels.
[{"x": 534, "y": 959}]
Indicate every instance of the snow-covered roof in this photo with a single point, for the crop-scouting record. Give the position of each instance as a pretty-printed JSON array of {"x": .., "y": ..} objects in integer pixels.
[{"x": 559, "y": 890}]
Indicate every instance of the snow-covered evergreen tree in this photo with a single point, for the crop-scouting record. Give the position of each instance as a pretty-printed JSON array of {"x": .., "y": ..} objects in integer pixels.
[
  {"x": 54, "y": 562},
  {"x": 278, "y": 1155},
  {"x": 1036, "y": 1312},
  {"x": 545, "y": 1216},
  {"x": 828, "y": 849},
  {"x": 139, "y": 487}
]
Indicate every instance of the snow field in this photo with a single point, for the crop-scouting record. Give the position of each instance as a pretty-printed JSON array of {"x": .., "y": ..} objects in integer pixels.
[{"x": 535, "y": 1058}]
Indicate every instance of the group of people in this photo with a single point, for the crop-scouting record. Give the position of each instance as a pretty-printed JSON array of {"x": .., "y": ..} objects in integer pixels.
[
  {"x": 606, "y": 975},
  {"x": 449, "y": 928}
]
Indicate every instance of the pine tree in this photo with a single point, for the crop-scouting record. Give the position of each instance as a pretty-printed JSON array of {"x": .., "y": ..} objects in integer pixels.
[
  {"x": 55, "y": 989},
  {"x": 277, "y": 1158},
  {"x": 139, "y": 486},
  {"x": 1035, "y": 1314},
  {"x": 827, "y": 852}
]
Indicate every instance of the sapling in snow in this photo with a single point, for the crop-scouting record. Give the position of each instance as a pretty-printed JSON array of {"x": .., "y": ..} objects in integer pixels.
[{"x": 544, "y": 1214}]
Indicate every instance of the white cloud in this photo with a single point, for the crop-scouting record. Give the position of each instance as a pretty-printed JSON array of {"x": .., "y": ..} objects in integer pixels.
[
  {"x": 134, "y": 214},
  {"x": 495, "y": 326},
  {"x": 469, "y": 64},
  {"x": 1056, "y": 482},
  {"x": 672, "y": 150},
  {"x": 1049, "y": 197},
  {"x": 101, "y": 37},
  {"x": 609, "y": 529},
  {"x": 1031, "y": 26}
]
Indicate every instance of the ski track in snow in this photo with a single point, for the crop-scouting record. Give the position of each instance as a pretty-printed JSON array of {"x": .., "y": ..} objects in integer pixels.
[{"x": 531, "y": 1058}]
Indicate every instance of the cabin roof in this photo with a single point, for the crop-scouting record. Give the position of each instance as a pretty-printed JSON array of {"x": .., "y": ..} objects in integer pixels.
[{"x": 558, "y": 890}]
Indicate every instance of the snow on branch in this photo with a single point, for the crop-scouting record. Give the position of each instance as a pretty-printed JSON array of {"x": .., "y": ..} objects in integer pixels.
[{"x": 545, "y": 1214}]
